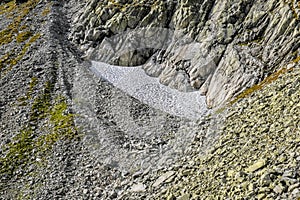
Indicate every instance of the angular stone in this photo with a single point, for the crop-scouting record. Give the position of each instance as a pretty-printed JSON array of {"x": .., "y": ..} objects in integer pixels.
[
  {"x": 98, "y": 35},
  {"x": 261, "y": 196},
  {"x": 139, "y": 187},
  {"x": 85, "y": 191},
  {"x": 279, "y": 189},
  {"x": 292, "y": 187},
  {"x": 296, "y": 192},
  {"x": 240, "y": 176},
  {"x": 185, "y": 197},
  {"x": 230, "y": 173},
  {"x": 257, "y": 165},
  {"x": 265, "y": 180},
  {"x": 163, "y": 178}
]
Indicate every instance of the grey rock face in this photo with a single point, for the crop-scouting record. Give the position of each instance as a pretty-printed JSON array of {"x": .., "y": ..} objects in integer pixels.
[{"x": 222, "y": 47}]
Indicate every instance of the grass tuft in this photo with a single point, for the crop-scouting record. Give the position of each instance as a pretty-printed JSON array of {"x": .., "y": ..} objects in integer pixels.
[{"x": 259, "y": 86}]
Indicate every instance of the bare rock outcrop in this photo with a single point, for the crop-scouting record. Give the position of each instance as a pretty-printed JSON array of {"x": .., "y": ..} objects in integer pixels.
[{"x": 218, "y": 47}]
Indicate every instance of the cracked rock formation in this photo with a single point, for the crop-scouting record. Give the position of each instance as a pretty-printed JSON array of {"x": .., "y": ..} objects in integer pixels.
[{"x": 219, "y": 47}]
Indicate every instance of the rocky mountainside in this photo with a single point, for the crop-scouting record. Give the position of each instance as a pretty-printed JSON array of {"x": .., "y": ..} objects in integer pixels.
[
  {"x": 219, "y": 47},
  {"x": 67, "y": 133}
]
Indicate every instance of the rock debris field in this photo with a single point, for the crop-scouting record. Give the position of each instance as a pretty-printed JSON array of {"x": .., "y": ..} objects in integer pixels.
[
  {"x": 72, "y": 127},
  {"x": 132, "y": 122}
]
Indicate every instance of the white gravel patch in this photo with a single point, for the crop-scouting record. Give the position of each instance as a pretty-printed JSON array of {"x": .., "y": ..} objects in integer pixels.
[{"x": 135, "y": 82}]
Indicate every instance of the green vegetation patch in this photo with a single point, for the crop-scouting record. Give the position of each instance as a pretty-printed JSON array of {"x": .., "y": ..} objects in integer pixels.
[
  {"x": 22, "y": 100},
  {"x": 10, "y": 60},
  {"x": 23, "y": 36},
  {"x": 42, "y": 104},
  {"x": 296, "y": 60},
  {"x": 266, "y": 81},
  {"x": 33, "y": 141},
  {"x": 16, "y": 31},
  {"x": 62, "y": 125},
  {"x": 4, "y": 59},
  {"x": 293, "y": 8},
  {"x": 18, "y": 153},
  {"x": 256, "y": 41},
  {"x": 20, "y": 12},
  {"x": 125, "y": 6},
  {"x": 7, "y": 7},
  {"x": 27, "y": 145}
]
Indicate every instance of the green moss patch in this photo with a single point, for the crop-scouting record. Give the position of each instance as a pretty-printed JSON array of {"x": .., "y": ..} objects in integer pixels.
[
  {"x": 296, "y": 60},
  {"x": 265, "y": 82},
  {"x": 7, "y": 7},
  {"x": 49, "y": 122},
  {"x": 62, "y": 125},
  {"x": 293, "y": 8},
  {"x": 256, "y": 41},
  {"x": 26, "y": 146},
  {"x": 42, "y": 104},
  {"x": 23, "y": 36},
  {"x": 16, "y": 31},
  {"x": 8, "y": 60},
  {"x": 18, "y": 152},
  {"x": 20, "y": 12}
]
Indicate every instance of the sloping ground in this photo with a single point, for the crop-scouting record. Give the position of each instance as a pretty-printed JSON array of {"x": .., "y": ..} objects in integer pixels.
[
  {"x": 44, "y": 155},
  {"x": 258, "y": 153},
  {"x": 35, "y": 114},
  {"x": 47, "y": 150},
  {"x": 255, "y": 151},
  {"x": 135, "y": 82}
]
